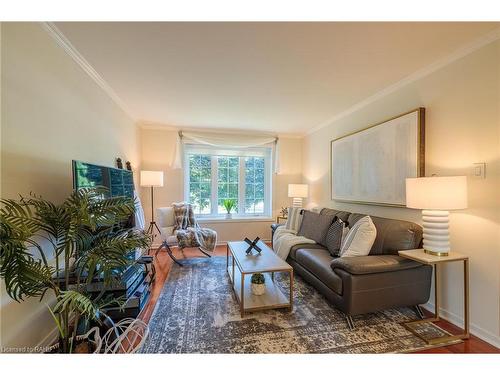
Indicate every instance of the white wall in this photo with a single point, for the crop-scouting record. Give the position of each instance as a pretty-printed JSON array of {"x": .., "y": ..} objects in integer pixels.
[
  {"x": 158, "y": 146},
  {"x": 51, "y": 113},
  {"x": 462, "y": 104}
]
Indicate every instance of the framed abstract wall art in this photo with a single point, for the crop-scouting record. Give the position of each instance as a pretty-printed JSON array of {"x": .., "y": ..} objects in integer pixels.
[{"x": 370, "y": 166}]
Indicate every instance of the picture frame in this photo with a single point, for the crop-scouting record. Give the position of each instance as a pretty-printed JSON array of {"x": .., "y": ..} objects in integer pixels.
[{"x": 370, "y": 165}]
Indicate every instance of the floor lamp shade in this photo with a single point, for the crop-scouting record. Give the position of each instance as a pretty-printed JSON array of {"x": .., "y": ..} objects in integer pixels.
[
  {"x": 435, "y": 196},
  {"x": 152, "y": 178},
  {"x": 297, "y": 192}
]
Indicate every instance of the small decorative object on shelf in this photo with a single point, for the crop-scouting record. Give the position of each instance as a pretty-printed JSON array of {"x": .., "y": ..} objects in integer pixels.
[
  {"x": 253, "y": 245},
  {"x": 258, "y": 284},
  {"x": 119, "y": 163},
  {"x": 129, "y": 166},
  {"x": 229, "y": 204},
  {"x": 284, "y": 212}
]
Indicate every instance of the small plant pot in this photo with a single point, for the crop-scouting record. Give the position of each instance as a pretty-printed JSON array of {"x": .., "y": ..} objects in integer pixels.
[
  {"x": 229, "y": 216},
  {"x": 258, "y": 289}
]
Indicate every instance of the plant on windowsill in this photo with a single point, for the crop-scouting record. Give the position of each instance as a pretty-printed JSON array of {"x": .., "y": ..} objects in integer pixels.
[
  {"x": 87, "y": 242},
  {"x": 229, "y": 204},
  {"x": 258, "y": 284}
]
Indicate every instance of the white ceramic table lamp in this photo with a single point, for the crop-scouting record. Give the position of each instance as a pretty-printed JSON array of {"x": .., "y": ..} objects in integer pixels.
[
  {"x": 297, "y": 192},
  {"x": 152, "y": 179},
  {"x": 435, "y": 196}
]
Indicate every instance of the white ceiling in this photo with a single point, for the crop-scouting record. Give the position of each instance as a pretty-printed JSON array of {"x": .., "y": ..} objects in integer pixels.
[{"x": 278, "y": 77}]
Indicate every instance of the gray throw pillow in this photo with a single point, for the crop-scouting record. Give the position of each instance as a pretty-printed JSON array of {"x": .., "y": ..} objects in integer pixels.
[
  {"x": 334, "y": 237},
  {"x": 315, "y": 226}
]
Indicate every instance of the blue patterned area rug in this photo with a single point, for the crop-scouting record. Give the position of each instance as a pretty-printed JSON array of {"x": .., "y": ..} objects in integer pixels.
[{"x": 197, "y": 312}]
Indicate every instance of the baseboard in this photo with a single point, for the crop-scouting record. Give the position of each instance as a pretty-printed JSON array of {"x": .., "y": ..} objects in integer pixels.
[
  {"x": 219, "y": 243},
  {"x": 476, "y": 330},
  {"x": 48, "y": 340}
]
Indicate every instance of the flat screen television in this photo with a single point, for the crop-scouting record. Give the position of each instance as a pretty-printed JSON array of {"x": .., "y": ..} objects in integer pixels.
[{"x": 120, "y": 182}]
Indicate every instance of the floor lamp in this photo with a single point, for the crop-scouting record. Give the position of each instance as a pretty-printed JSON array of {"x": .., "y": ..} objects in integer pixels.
[{"x": 152, "y": 179}]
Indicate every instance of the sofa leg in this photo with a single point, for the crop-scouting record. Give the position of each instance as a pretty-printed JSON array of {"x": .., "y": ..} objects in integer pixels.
[
  {"x": 419, "y": 311},
  {"x": 350, "y": 322}
]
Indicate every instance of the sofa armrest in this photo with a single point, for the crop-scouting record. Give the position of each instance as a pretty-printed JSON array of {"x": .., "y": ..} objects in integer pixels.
[{"x": 373, "y": 264}]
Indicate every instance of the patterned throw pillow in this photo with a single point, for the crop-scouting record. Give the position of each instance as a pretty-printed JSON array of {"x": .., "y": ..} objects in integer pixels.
[
  {"x": 294, "y": 219},
  {"x": 334, "y": 236},
  {"x": 359, "y": 239}
]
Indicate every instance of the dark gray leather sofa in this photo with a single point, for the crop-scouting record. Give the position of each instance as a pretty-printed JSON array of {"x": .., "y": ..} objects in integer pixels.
[{"x": 378, "y": 281}]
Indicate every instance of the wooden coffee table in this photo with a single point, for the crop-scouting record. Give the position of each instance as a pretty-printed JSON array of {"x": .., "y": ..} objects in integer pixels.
[{"x": 240, "y": 268}]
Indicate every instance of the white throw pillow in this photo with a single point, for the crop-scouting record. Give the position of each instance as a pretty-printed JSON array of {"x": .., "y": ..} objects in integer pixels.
[
  {"x": 294, "y": 219},
  {"x": 359, "y": 239}
]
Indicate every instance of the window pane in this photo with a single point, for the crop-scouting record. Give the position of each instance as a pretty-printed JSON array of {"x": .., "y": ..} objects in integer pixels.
[
  {"x": 249, "y": 191},
  {"x": 228, "y": 179},
  {"x": 259, "y": 163},
  {"x": 259, "y": 176},
  {"x": 259, "y": 191},
  {"x": 222, "y": 162},
  {"x": 200, "y": 176},
  {"x": 254, "y": 185},
  {"x": 234, "y": 175},
  {"x": 205, "y": 161}
]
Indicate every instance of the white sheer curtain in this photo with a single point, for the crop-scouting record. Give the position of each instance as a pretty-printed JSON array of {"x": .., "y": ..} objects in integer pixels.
[{"x": 234, "y": 141}]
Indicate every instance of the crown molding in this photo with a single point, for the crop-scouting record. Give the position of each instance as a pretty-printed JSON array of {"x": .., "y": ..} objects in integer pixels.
[
  {"x": 419, "y": 74},
  {"x": 77, "y": 57}
]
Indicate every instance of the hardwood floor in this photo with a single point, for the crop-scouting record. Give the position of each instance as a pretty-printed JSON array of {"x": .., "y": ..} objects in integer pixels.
[{"x": 164, "y": 263}]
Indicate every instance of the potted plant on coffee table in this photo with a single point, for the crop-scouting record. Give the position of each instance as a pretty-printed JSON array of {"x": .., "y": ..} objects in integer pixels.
[
  {"x": 229, "y": 205},
  {"x": 258, "y": 284},
  {"x": 60, "y": 249}
]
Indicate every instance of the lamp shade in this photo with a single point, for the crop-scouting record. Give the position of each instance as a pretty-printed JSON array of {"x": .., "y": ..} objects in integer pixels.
[
  {"x": 437, "y": 193},
  {"x": 152, "y": 178},
  {"x": 298, "y": 190}
]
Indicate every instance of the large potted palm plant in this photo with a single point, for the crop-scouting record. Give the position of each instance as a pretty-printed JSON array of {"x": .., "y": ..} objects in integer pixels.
[{"x": 62, "y": 249}]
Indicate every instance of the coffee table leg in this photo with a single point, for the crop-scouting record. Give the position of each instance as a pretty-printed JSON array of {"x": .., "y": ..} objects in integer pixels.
[
  {"x": 291, "y": 290},
  {"x": 242, "y": 295},
  {"x": 233, "y": 271}
]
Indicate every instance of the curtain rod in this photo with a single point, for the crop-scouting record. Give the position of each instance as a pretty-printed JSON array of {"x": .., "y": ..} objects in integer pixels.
[{"x": 276, "y": 139}]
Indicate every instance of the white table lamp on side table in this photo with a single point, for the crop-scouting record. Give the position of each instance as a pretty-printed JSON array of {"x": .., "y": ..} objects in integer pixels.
[
  {"x": 152, "y": 179},
  {"x": 297, "y": 192},
  {"x": 435, "y": 196}
]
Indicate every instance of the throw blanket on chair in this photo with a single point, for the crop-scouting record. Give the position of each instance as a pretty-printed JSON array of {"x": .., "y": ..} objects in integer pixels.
[
  {"x": 285, "y": 239},
  {"x": 188, "y": 231}
]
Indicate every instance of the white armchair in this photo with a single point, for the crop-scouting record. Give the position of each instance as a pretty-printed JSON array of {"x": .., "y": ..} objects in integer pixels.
[{"x": 166, "y": 222}]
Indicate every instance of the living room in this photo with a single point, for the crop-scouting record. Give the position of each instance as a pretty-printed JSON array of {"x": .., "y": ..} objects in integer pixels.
[{"x": 284, "y": 187}]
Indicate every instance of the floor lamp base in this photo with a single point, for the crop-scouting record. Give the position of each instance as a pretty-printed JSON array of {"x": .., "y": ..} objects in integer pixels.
[{"x": 151, "y": 228}]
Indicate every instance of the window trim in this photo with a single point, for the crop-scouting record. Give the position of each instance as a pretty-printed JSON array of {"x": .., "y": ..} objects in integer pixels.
[{"x": 264, "y": 152}]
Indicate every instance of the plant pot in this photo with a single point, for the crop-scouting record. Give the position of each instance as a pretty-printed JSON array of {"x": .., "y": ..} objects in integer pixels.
[
  {"x": 89, "y": 343},
  {"x": 229, "y": 215},
  {"x": 258, "y": 289}
]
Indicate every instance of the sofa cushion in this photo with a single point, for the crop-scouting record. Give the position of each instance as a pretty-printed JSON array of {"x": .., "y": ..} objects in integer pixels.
[
  {"x": 342, "y": 215},
  {"x": 392, "y": 234},
  {"x": 294, "y": 248},
  {"x": 315, "y": 226},
  {"x": 317, "y": 261},
  {"x": 373, "y": 264},
  {"x": 359, "y": 239}
]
